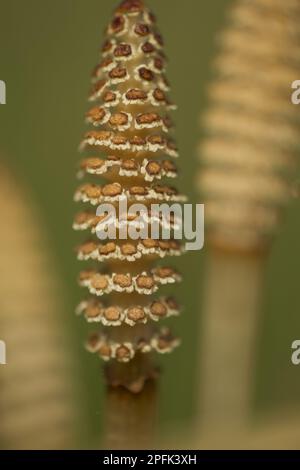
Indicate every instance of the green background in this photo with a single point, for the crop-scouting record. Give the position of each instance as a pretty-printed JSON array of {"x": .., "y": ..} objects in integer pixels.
[{"x": 48, "y": 49}]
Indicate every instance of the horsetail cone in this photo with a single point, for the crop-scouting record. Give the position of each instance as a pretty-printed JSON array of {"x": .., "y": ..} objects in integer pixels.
[
  {"x": 37, "y": 405},
  {"x": 252, "y": 139},
  {"x": 131, "y": 148}
]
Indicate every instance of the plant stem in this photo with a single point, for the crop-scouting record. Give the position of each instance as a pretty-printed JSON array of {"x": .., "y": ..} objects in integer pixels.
[
  {"x": 232, "y": 303},
  {"x": 130, "y": 417}
]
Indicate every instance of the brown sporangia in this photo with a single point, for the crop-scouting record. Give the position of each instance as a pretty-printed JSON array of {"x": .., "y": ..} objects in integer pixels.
[
  {"x": 135, "y": 94},
  {"x": 130, "y": 251},
  {"x": 148, "y": 120},
  {"x": 118, "y": 74},
  {"x": 158, "y": 38},
  {"x": 114, "y": 192},
  {"x": 158, "y": 64},
  {"x": 96, "y": 115},
  {"x": 117, "y": 25},
  {"x": 146, "y": 74},
  {"x": 120, "y": 120},
  {"x": 151, "y": 144},
  {"x": 106, "y": 65},
  {"x": 107, "y": 46},
  {"x": 160, "y": 341},
  {"x": 148, "y": 48},
  {"x": 110, "y": 98},
  {"x": 142, "y": 29},
  {"x": 129, "y": 144},
  {"x": 131, "y": 7},
  {"x": 95, "y": 311},
  {"x": 123, "y": 50},
  {"x": 144, "y": 283}
]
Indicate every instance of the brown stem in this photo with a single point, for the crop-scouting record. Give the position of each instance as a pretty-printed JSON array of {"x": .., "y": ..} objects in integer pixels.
[{"x": 130, "y": 417}]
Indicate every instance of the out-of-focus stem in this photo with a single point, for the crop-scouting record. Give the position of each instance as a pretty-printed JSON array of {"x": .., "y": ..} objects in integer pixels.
[
  {"x": 232, "y": 303},
  {"x": 249, "y": 158},
  {"x": 130, "y": 417}
]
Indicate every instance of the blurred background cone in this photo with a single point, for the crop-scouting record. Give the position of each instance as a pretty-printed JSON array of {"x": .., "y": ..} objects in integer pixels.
[
  {"x": 37, "y": 408},
  {"x": 248, "y": 158}
]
